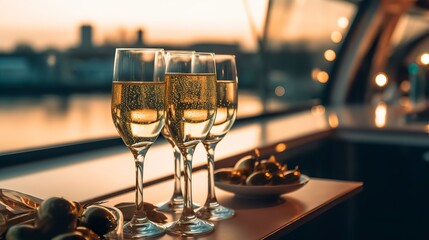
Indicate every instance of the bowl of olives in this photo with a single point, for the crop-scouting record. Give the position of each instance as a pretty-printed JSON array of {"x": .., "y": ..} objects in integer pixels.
[
  {"x": 58, "y": 218},
  {"x": 253, "y": 177}
]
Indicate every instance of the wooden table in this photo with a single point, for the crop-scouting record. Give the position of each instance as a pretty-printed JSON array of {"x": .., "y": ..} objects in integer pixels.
[{"x": 258, "y": 219}]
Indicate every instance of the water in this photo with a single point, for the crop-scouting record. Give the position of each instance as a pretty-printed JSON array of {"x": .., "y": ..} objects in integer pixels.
[
  {"x": 30, "y": 122},
  {"x": 34, "y": 122}
]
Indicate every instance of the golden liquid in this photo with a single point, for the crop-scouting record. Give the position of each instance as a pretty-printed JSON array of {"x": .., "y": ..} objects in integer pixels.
[
  {"x": 138, "y": 112},
  {"x": 226, "y": 110},
  {"x": 190, "y": 106}
]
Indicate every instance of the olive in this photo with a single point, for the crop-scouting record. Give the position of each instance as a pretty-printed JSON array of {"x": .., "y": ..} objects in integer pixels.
[
  {"x": 71, "y": 236},
  {"x": 291, "y": 176},
  {"x": 223, "y": 175},
  {"x": 278, "y": 178},
  {"x": 246, "y": 164},
  {"x": 237, "y": 177},
  {"x": 23, "y": 232},
  {"x": 230, "y": 176},
  {"x": 268, "y": 166},
  {"x": 259, "y": 178},
  {"x": 98, "y": 219},
  {"x": 56, "y": 215}
]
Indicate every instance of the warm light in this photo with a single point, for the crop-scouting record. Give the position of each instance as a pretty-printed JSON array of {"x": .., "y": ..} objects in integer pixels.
[
  {"x": 380, "y": 115},
  {"x": 336, "y": 37},
  {"x": 333, "y": 120},
  {"x": 314, "y": 73},
  {"x": 322, "y": 77},
  {"x": 381, "y": 79},
  {"x": 424, "y": 58},
  {"x": 318, "y": 110},
  {"x": 405, "y": 86},
  {"x": 61, "y": 26},
  {"x": 195, "y": 115},
  {"x": 330, "y": 55},
  {"x": 144, "y": 116},
  {"x": 427, "y": 128},
  {"x": 279, "y": 91},
  {"x": 221, "y": 115},
  {"x": 281, "y": 147},
  {"x": 343, "y": 22},
  {"x": 406, "y": 103},
  {"x": 252, "y": 107}
]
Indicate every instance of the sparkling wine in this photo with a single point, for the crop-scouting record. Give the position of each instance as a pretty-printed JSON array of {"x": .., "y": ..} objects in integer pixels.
[
  {"x": 190, "y": 106},
  {"x": 138, "y": 111},
  {"x": 226, "y": 110}
]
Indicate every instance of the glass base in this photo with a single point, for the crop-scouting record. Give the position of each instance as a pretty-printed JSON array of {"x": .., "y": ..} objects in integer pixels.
[
  {"x": 193, "y": 227},
  {"x": 173, "y": 206},
  {"x": 215, "y": 212},
  {"x": 142, "y": 229}
]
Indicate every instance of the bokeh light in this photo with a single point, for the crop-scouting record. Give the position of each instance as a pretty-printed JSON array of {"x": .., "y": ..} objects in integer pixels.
[
  {"x": 330, "y": 55},
  {"x": 318, "y": 110},
  {"x": 279, "y": 91},
  {"x": 343, "y": 22},
  {"x": 405, "y": 86},
  {"x": 424, "y": 58},
  {"x": 281, "y": 147},
  {"x": 381, "y": 79},
  {"x": 322, "y": 77},
  {"x": 336, "y": 37},
  {"x": 380, "y": 115}
]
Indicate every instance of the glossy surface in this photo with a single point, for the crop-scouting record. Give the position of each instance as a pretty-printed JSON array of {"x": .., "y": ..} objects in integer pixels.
[{"x": 315, "y": 198}]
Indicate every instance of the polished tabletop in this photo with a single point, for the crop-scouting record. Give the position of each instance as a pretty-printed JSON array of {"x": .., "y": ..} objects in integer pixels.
[{"x": 258, "y": 218}]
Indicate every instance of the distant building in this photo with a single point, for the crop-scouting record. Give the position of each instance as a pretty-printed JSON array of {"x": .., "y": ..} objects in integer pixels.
[
  {"x": 86, "y": 36},
  {"x": 140, "y": 39},
  {"x": 89, "y": 67}
]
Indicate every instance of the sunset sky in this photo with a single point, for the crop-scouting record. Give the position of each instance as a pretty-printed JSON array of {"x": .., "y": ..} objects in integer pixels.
[{"x": 55, "y": 23}]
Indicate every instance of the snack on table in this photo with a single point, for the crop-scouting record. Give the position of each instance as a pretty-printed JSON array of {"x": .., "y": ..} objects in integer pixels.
[
  {"x": 58, "y": 218},
  {"x": 251, "y": 170}
]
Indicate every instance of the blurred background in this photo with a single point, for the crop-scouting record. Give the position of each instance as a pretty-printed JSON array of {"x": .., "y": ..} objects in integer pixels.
[
  {"x": 56, "y": 57},
  {"x": 360, "y": 65}
]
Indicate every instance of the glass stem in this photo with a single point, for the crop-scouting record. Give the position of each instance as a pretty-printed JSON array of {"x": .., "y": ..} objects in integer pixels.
[
  {"x": 211, "y": 196},
  {"x": 188, "y": 213},
  {"x": 140, "y": 213},
  {"x": 177, "y": 194}
]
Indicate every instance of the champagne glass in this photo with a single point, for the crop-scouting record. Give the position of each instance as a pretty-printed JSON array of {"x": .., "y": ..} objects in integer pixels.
[
  {"x": 176, "y": 202},
  {"x": 226, "y": 88},
  {"x": 138, "y": 112},
  {"x": 190, "y": 112}
]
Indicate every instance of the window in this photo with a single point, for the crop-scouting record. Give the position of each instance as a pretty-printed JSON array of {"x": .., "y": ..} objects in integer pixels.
[
  {"x": 56, "y": 57},
  {"x": 408, "y": 66}
]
